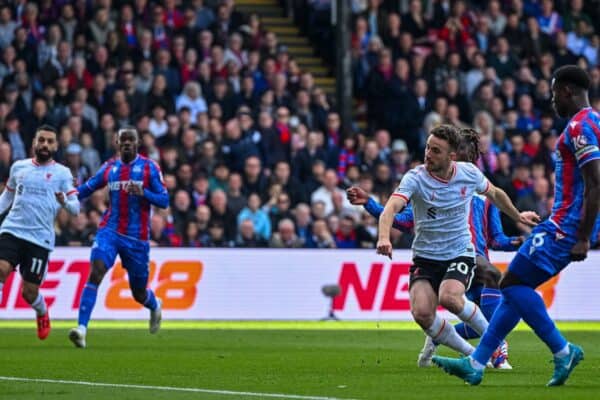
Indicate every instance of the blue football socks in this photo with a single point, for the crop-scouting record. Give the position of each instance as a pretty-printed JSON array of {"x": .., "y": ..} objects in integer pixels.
[
  {"x": 87, "y": 302},
  {"x": 150, "y": 302}
]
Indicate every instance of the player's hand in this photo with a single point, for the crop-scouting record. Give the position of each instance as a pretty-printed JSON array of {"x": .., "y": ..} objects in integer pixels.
[
  {"x": 135, "y": 189},
  {"x": 384, "y": 247},
  {"x": 60, "y": 197},
  {"x": 579, "y": 251},
  {"x": 357, "y": 196},
  {"x": 517, "y": 241},
  {"x": 529, "y": 218}
]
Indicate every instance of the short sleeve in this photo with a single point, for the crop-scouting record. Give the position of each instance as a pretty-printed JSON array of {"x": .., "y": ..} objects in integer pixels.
[
  {"x": 67, "y": 183},
  {"x": 408, "y": 186},
  {"x": 482, "y": 184},
  {"x": 11, "y": 184},
  {"x": 582, "y": 140}
]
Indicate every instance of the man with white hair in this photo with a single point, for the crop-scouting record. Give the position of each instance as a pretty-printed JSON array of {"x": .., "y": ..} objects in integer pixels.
[{"x": 191, "y": 97}]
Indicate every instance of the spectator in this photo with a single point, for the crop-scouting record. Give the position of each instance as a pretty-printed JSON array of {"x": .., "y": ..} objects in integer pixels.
[
  {"x": 247, "y": 237},
  {"x": 328, "y": 191},
  {"x": 191, "y": 97},
  {"x": 285, "y": 236}
]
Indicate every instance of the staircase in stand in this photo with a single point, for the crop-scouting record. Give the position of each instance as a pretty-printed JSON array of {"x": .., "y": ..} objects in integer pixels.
[{"x": 289, "y": 35}]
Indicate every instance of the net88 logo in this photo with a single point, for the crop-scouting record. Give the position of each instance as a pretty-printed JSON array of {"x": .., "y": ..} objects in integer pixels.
[{"x": 174, "y": 281}]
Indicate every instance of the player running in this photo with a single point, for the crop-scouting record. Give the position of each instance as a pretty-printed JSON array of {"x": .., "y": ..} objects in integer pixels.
[
  {"x": 563, "y": 238},
  {"x": 37, "y": 188},
  {"x": 486, "y": 230},
  {"x": 443, "y": 256},
  {"x": 134, "y": 183}
]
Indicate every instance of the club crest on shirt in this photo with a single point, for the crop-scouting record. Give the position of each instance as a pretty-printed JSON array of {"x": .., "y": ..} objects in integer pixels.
[
  {"x": 463, "y": 192},
  {"x": 48, "y": 176}
]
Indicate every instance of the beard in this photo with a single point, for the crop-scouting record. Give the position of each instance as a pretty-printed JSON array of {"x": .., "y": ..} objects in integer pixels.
[{"x": 43, "y": 157}]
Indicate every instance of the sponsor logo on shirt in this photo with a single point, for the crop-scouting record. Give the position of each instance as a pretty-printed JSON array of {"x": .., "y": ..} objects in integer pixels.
[{"x": 123, "y": 185}]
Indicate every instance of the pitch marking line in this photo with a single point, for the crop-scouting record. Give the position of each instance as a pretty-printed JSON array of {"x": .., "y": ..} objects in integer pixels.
[{"x": 168, "y": 388}]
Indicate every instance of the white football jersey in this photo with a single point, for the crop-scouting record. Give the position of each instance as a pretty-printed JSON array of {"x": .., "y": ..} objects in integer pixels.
[
  {"x": 35, "y": 207},
  {"x": 441, "y": 210}
]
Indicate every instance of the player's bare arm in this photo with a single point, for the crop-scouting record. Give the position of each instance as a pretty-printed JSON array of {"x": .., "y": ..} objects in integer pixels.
[
  {"x": 590, "y": 173},
  {"x": 503, "y": 202},
  {"x": 393, "y": 206}
]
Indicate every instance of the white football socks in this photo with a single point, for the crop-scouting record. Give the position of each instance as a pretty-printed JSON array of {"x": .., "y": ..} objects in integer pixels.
[
  {"x": 472, "y": 316},
  {"x": 39, "y": 305},
  {"x": 443, "y": 332}
]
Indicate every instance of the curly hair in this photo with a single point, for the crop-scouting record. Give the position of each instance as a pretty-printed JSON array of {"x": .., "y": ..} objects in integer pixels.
[
  {"x": 448, "y": 133},
  {"x": 470, "y": 138}
]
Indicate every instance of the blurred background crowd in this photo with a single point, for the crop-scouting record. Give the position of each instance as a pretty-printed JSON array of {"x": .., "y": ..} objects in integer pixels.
[{"x": 250, "y": 147}]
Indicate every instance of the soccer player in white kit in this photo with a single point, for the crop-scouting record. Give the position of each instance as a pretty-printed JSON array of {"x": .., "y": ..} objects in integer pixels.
[
  {"x": 37, "y": 189},
  {"x": 443, "y": 255}
]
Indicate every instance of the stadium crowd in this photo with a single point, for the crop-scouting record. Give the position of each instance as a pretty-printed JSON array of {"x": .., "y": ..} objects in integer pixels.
[{"x": 250, "y": 148}]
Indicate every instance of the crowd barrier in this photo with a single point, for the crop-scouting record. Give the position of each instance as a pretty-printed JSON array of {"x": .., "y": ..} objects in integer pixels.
[{"x": 272, "y": 284}]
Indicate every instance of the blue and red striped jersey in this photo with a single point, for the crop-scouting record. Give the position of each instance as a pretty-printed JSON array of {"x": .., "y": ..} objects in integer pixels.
[
  {"x": 128, "y": 214},
  {"x": 486, "y": 227},
  {"x": 576, "y": 146},
  {"x": 484, "y": 223}
]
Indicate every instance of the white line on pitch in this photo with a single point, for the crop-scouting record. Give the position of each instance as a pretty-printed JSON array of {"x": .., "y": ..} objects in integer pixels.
[{"x": 168, "y": 388}]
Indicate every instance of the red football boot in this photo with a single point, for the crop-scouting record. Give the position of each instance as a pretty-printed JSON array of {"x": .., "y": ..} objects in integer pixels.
[{"x": 43, "y": 326}]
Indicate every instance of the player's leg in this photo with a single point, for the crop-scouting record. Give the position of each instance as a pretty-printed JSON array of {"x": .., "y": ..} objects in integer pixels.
[
  {"x": 102, "y": 258},
  {"x": 9, "y": 257},
  {"x": 456, "y": 281},
  {"x": 424, "y": 281},
  {"x": 473, "y": 294},
  {"x": 490, "y": 294},
  {"x": 5, "y": 269},
  {"x": 505, "y": 318},
  {"x": 135, "y": 255},
  {"x": 484, "y": 290},
  {"x": 32, "y": 266},
  {"x": 518, "y": 286},
  {"x": 490, "y": 299}
]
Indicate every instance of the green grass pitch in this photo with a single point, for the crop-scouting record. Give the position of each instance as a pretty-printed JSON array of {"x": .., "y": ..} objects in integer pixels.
[{"x": 286, "y": 360}]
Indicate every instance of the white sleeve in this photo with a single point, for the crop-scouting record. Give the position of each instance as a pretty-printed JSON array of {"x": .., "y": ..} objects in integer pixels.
[
  {"x": 408, "y": 186},
  {"x": 482, "y": 184},
  {"x": 11, "y": 184}
]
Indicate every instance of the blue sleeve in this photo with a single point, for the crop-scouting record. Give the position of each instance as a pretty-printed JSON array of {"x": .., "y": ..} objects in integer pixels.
[
  {"x": 157, "y": 193},
  {"x": 98, "y": 181},
  {"x": 496, "y": 239},
  {"x": 403, "y": 221},
  {"x": 583, "y": 141}
]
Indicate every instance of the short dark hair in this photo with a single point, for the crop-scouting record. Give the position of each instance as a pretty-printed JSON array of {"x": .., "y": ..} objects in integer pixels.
[
  {"x": 448, "y": 133},
  {"x": 572, "y": 75},
  {"x": 470, "y": 137},
  {"x": 46, "y": 127},
  {"x": 128, "y": 129}
]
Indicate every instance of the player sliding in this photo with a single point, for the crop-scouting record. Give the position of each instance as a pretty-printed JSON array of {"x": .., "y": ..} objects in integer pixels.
[
  {"x": 563, "y": 238},
  {"x": 486, "y": 228},
  {"x": 134, "y": 183},
  {"x": 37, "y": 188},
  {"x": 443, "y": 256}
]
